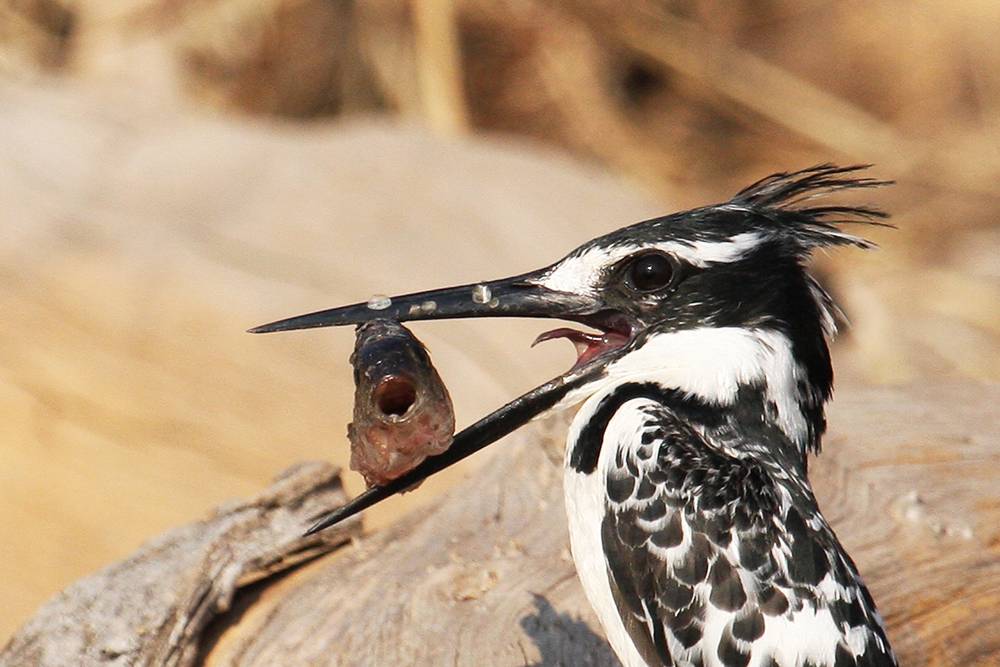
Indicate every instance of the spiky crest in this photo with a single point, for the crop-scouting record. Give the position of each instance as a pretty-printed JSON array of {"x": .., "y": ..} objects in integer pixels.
[{"x": 785, "y": 199}]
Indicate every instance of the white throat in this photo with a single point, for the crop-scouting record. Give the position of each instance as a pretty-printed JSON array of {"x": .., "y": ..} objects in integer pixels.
[{"x": 711, "y": 364}]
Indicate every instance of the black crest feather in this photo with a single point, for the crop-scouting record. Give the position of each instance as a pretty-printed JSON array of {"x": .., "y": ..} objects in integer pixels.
[{"x": 787, "y": 198}]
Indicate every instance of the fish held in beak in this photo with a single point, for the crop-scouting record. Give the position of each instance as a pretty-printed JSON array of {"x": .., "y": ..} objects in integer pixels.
[
  {"x": 402, "y": 410},
  {"x": 519, "y": 296}
]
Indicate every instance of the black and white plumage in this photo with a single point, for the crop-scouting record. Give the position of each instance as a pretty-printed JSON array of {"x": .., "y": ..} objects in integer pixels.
[
  {"x": 711, "y": 551},
  {"x": 693, "y": 526}
]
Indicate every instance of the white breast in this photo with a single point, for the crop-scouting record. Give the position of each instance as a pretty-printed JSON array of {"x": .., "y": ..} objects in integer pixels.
[{"x": 585, "y": 508}]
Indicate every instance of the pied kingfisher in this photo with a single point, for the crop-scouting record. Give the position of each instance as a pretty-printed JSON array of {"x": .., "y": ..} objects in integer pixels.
[{"x": 692, "y": 522}]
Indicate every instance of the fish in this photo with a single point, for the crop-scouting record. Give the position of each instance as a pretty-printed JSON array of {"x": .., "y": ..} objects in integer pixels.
[{"x": 403, "y": 412}]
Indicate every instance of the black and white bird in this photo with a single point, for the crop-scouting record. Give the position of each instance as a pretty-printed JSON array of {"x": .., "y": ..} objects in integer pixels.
[{"x": 693, "y": 525}]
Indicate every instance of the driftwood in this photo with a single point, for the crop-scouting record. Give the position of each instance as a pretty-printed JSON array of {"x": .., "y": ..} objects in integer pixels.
[
  {"x": 483, "y": 576},
  {"x": 152, "y": 607}
]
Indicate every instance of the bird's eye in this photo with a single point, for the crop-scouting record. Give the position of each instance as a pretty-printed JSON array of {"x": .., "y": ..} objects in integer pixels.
[{"x": 650, "y": 272}]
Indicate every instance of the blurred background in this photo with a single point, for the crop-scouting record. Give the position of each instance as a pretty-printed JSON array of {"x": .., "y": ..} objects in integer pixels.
[{"x": 173, "y": 172}]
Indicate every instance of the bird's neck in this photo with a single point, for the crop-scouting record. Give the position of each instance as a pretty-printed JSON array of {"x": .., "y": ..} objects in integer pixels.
[{"x": 748, "y": 377}]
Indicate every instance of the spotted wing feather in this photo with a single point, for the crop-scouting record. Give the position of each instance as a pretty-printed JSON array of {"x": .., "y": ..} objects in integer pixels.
[{"x": 714, "y": 559}]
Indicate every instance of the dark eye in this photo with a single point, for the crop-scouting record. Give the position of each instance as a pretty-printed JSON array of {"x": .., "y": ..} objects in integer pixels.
[{"x": 650, "y": 272}]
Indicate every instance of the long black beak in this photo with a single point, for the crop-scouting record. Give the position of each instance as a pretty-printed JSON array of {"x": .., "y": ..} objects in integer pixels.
[
  {"x": 520, "y": 296},
  {"x": 511, "y": 297}
]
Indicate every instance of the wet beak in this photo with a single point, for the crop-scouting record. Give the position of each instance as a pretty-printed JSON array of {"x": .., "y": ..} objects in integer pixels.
[{"x": 520, "y": 296}]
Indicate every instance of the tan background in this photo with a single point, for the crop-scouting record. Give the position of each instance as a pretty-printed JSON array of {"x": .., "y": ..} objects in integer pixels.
[{"x": 173, "y": 173}]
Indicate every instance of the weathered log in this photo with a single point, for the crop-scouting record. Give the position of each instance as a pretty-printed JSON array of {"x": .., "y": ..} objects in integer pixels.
[
  {"x": 152, "y": 607},
  {"x": 908, "y": 480},
  {"x": 484, "y": 576}
]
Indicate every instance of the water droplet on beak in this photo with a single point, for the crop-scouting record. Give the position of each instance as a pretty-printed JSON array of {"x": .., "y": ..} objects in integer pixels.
[
  {"x": 379, "y": 302},
  {"x": 481, "y": 294}
]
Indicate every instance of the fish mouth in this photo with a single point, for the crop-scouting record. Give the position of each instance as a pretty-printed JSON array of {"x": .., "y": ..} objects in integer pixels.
[
  {"x": 394, "y": 396},
  {"x": 520, "y": 296}
]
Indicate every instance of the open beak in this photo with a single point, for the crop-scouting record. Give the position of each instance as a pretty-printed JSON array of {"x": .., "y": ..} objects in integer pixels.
[{"x": 520, "y": 296}]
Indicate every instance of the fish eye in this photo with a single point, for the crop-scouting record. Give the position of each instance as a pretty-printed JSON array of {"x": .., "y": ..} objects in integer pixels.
[{"x": 650, "y": 272}]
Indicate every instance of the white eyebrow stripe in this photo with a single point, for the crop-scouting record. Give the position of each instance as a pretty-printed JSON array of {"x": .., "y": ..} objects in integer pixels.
[
  {"x": 703, "y": 253},
  {"x": 580, "y": 273}
]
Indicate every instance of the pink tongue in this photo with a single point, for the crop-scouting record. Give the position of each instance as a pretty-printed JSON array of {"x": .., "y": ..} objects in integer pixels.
[{"x": 587, "y": 345}]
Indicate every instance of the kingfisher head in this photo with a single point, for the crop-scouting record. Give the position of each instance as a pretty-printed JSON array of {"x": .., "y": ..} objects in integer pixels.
[{"x": 710, "y": 303}]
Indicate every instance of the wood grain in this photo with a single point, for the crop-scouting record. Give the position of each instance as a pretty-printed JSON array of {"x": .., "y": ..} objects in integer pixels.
[
  {"x": 908, "y": 480},
  {"x": 483, "y": 574},
  {"x": 152, "y": 607}
]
